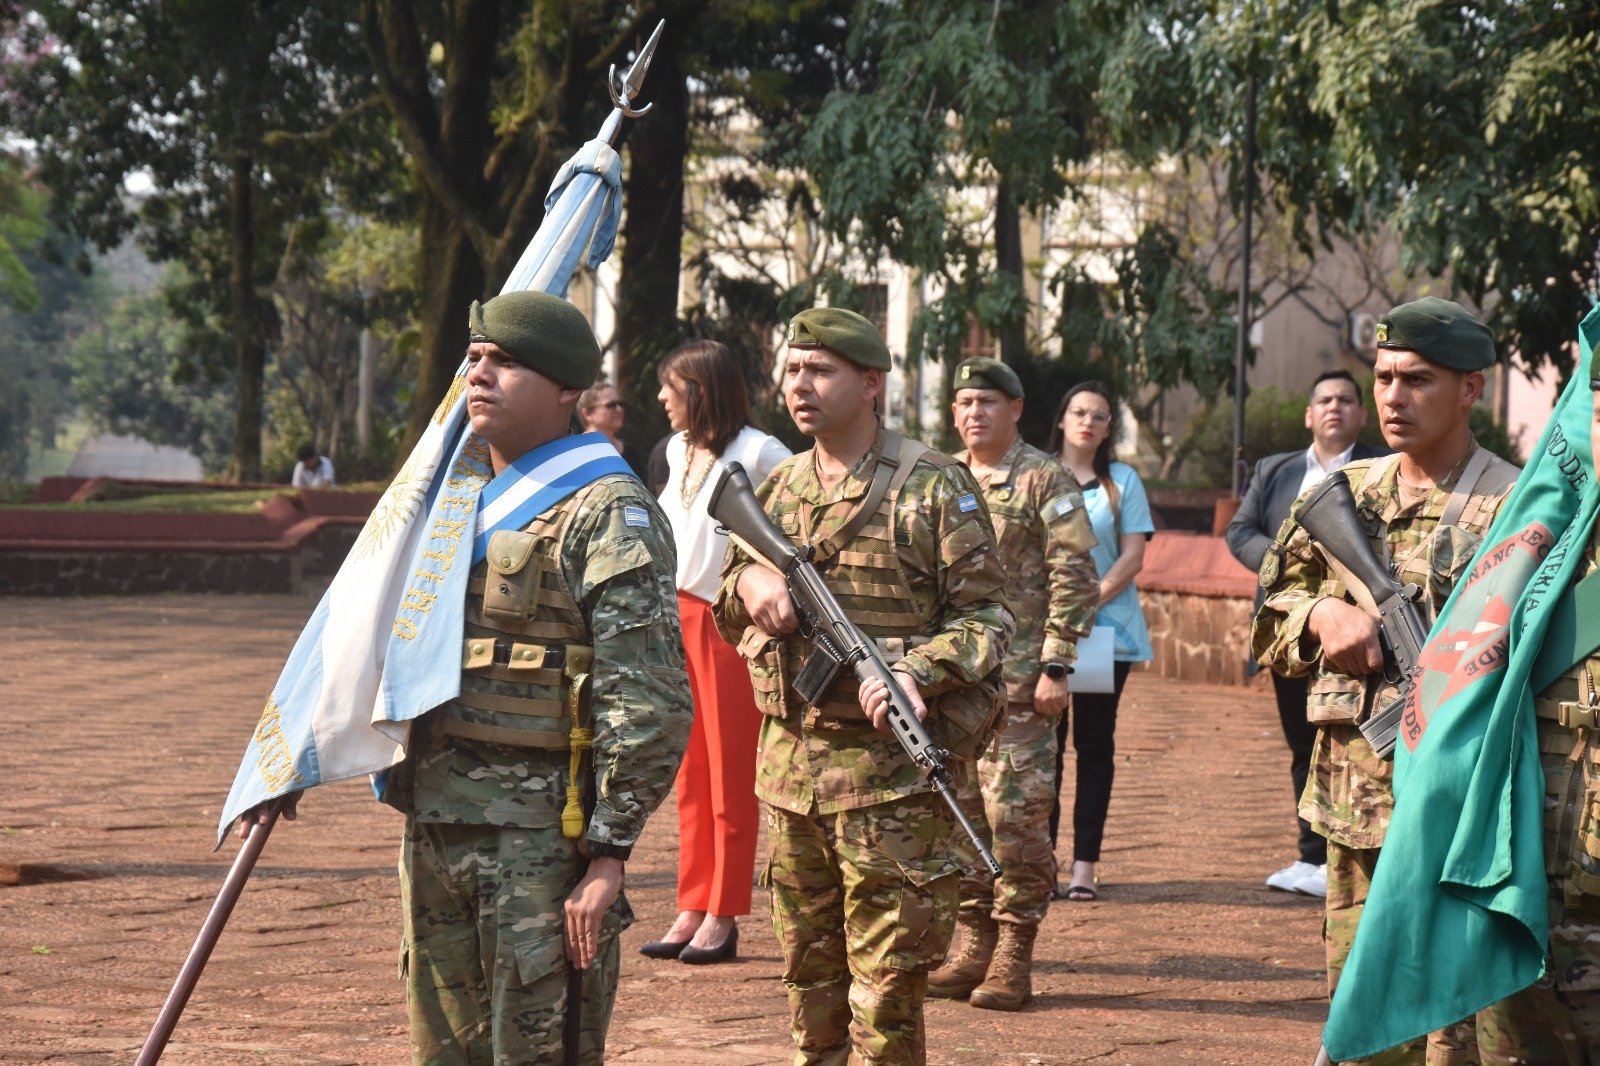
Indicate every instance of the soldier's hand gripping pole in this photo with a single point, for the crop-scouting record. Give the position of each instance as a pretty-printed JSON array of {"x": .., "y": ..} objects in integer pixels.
[
  {"x": 1328, "y": 515},
  {"x": 734, "y": 507},
  {"x": 189, "y": 976}
]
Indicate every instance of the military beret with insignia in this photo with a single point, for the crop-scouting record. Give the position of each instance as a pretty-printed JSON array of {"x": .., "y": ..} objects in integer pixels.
[
  {"x": 542, "y": 332},
  {"x": 981, "y": 373},
  {"x": 843, "y": 332},
  {"x": 1440, "y": 331}
]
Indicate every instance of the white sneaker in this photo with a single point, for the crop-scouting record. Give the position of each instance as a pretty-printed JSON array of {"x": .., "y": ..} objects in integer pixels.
[
  {"x": 1314, "y": 883},
  {"x": 1286, "y": 879}
]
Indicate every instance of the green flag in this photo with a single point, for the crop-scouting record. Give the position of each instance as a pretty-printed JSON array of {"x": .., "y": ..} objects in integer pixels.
[{"x": 1456, "y": 918}]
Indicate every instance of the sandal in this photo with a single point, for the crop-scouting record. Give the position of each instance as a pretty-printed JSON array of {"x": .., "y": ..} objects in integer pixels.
[{"x": 1081, "y": 894}]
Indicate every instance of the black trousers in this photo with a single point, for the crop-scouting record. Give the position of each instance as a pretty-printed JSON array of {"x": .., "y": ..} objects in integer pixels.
[
  {"x": 1093, "y": 720},
  {"x": 1301, "y": 735}
]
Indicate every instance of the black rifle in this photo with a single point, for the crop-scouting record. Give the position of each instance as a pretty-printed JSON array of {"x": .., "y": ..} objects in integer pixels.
[
  {"x": 839, "y": 642},
  {"x": 1328, "y": 514}
]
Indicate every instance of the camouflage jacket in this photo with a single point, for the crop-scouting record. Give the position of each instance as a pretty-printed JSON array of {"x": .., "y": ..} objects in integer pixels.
[
  {"x": 1044, "y": 538},
  {"x": 812, "y": 762},
  {"x": 1348, "y": 798},
  {"x": 621, "y": 574}
]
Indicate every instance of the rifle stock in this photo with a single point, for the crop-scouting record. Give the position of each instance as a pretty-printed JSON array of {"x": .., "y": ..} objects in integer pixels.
[
  {"x": 734, "y": 506},
  {"x": 1328, "y": 515}
]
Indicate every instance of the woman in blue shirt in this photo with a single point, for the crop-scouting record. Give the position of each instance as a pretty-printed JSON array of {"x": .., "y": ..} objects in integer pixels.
[{"x": 1083, "y": 438}]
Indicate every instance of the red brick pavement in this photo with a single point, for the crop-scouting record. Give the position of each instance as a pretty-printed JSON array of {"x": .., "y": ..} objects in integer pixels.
[{"x": 121, "y": 726}]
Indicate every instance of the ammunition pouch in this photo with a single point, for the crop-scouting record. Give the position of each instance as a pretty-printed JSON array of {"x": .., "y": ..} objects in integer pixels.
[
  {"x": 550, "y": 724},
  {"x": 511, "y": 588}
]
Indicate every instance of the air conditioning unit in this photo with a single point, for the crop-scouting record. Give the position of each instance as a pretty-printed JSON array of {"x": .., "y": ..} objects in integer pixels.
[{"x": 1361, "y": 331}]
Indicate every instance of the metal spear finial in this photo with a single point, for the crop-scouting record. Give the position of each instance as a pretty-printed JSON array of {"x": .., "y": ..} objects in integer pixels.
[{"x": 625, "y": 86}]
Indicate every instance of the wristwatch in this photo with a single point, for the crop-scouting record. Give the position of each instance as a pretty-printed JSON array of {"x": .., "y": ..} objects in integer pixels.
[{"x": 1055, "y": 671}]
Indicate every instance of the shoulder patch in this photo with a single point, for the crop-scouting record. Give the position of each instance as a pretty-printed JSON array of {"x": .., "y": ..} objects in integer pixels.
[
  {"x": 967, "y": 502},
  {"x": 636, "y": 516},
  {"x": 1061, "y": 505}
]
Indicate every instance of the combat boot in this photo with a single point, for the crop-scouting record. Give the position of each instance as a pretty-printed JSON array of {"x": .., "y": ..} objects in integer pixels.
[
  {"x": 1009, "y": 985},
  {"x": 968, "y": 960}
]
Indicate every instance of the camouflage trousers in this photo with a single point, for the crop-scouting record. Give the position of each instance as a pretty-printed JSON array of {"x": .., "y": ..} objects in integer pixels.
[
  {"x": 863, "y": 905},
  {"x": 1522, "y": 1028},
  {"x": 1009, "y": 801},
  {"x": 484, "y": 957}
]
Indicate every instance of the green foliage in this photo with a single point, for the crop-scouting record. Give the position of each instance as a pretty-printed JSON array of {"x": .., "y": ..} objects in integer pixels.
[
  {"x": 126, "y": 376},
  {"x": 1274, "y": 421},
  {"x": 23, "y": 226}
]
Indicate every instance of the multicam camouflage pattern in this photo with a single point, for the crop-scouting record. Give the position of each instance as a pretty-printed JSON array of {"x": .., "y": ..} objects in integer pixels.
[
  {"x": 486, "y": 865},
  {"x": 1043, "y": 534},
  {"x": 484, "y": 954},
  {"x": 863, "y": 904},
  {"x": 1348, "y": 796},
  {"x": 1009, "y": 803},
  {"x": 619, "y": 575},
  {"x": 923, "y": 566}
]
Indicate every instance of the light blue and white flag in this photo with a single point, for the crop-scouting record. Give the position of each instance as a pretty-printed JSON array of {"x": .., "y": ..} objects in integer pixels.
[{"x": 342, "y": 706}]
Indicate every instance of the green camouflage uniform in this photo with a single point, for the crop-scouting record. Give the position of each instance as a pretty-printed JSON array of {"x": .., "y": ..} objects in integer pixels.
[
  {"x": 1348, "y": 797},
  {"x": 1044, "y": 538},
  {"x": 864, "y": 889},
  {"x": 485, "y": 866}
]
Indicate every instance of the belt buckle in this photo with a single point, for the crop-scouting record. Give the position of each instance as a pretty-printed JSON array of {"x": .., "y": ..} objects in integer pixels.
[{"x": 1574, "y": 715}]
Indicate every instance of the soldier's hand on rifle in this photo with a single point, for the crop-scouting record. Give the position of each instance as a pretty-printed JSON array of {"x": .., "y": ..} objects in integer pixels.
[
  {"x": 766, "y": 597},
  {"x": 587, "y": 905},
  {"x": 1348, "y": 635},
  {"x": 257, "y": 815},
  {"x": 874, "y": 697}
]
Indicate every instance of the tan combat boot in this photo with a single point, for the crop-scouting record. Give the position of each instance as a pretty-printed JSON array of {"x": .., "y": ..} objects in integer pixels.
[
  {"x": 1009, "y": 985},
  {"x": 968, "y": 960}
]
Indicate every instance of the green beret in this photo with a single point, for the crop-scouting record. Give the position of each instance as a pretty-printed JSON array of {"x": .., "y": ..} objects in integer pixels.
[
  {"x": 1440, "y": 331},
  {"x": 542, "y": 332},
  {"x": 840, "y": 331},
  {"x": 981, "y": 373}
]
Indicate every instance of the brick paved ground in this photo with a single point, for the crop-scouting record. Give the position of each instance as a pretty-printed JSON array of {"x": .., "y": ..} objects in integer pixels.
[{"x": 121, "y": 725}]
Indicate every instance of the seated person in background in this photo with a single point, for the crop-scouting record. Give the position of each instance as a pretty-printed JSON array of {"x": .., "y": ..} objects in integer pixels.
[{"x": 313, "y": 471}]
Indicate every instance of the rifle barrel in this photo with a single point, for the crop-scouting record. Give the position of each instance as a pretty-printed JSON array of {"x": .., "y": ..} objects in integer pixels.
[{"x": 189, "y": 976}]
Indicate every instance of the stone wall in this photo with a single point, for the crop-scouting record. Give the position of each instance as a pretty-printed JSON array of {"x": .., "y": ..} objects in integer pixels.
[{"x": 1200, "y": 638}]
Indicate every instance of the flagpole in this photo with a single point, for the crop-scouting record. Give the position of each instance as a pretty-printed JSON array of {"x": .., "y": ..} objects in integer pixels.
[{"x": 210, "y": 932}]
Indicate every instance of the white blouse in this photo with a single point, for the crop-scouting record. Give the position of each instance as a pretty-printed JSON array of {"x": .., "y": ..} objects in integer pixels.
[{"x": 700, "y": 546}]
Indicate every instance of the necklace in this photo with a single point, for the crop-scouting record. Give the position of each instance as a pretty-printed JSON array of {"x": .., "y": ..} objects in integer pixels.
[{"x": 691, "y": 488}]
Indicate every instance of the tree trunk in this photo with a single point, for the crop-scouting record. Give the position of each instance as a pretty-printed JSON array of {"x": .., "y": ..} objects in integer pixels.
[
  {"x": 249, "y": 352},
  {"x": 652, "y": 237},
  {"x": 453, "y": 279},
  {"x": 1008, "y": 258}
]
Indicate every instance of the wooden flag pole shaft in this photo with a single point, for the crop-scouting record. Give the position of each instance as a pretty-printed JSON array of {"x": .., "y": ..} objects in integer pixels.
[{"x": 189, "y": 976}]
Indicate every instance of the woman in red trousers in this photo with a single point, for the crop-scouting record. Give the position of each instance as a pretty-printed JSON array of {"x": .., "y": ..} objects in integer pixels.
[{"x": 702, "y": 389}]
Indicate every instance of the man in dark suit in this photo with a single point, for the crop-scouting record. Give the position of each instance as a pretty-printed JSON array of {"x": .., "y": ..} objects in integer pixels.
[{"x": 1334, "y": 416}]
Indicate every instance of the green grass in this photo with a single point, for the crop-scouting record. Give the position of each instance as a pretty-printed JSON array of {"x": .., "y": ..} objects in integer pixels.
[{"x": 201, "y": 502}]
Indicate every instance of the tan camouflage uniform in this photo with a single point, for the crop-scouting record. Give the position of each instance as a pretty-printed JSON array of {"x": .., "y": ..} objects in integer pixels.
[
  {"x": 864, "y": 888},
  {"x": 1044, "y": 538},
  {"x": 485, "y": 866},
  {"x": 1348, "y": 798},
  {"x": 1570, "y": 751}
]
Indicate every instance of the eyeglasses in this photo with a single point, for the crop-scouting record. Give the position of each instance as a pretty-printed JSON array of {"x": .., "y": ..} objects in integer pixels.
[
  {"x": 613, "y": 405},
  {"x": 1095, "y": 418}
]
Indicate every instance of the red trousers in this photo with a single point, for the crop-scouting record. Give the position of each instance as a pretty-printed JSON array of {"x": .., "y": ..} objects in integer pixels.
[{"x": 717, "y": 810}]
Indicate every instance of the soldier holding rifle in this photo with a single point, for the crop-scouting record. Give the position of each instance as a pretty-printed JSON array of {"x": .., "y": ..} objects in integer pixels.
[
  {"x": 864, "y": 887},
  {"x": 1423, "y": 511}
]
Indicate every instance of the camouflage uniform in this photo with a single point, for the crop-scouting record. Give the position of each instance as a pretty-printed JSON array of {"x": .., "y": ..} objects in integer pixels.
[
  {"x": 1348, "y": 797},
  {"x": 864, "y": 890},
  {"x": 485, "y": 865},
  {"x": 1044, "y": 538}
]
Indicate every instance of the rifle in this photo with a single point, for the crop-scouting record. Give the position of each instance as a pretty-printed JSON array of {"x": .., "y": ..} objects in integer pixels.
[
  {"x": 1328, "y": 515},
  {"x": 838, "y": 642}
]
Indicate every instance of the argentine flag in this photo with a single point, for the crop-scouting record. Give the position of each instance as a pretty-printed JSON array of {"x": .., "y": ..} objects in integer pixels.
[{"x": 384, "y": 644}]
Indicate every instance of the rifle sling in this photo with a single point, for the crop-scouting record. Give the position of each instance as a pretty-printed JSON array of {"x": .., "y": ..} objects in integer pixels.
[{"x": 894, "y": 466}]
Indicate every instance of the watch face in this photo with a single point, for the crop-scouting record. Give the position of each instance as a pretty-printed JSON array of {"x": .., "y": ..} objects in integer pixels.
[{"x": 1055, "y": 671}]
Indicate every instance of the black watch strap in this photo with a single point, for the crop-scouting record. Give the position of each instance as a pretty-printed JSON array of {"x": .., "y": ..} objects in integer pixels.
[{"x": 602, "y": 850}]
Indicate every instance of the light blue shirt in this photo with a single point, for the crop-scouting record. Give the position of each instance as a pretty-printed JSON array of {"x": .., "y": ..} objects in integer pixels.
[{"x": 1123, "y": 614}]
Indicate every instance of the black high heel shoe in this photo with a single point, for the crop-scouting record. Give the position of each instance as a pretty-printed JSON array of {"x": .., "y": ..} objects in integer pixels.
[
  {"x": 727, "y": 951},
  {"x": 663, "y": 949}
]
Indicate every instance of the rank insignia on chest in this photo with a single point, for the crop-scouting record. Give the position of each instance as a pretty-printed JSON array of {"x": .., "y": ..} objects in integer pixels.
[
  {"x": 636, "y": 516},
  {"x": 1003, "y": 494},
  {"x": 969, "y": 502}
]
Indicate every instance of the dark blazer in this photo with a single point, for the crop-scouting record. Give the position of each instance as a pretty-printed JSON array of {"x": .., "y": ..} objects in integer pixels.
[{"x": 1267, "y": 501}]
